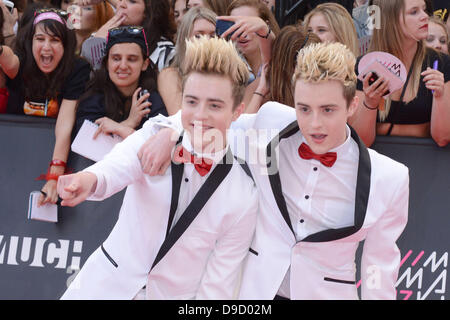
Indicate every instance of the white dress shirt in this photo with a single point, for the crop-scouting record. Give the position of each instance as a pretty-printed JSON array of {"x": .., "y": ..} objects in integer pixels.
[
  {"x": 192, "y": 180},
  {"x": 311, "y": 198}
]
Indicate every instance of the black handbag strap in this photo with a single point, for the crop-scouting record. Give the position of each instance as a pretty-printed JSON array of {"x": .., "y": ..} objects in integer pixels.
[{"x": 203, "y": 195}]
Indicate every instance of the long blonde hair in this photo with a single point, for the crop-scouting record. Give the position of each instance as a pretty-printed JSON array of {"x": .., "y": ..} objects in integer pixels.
[
  {"x": 340, "y": 22},
  {"x": 389, "y": 38},
  {"x": 185, "y": 30}
]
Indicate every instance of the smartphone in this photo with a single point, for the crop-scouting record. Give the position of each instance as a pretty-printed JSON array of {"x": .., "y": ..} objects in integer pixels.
[
  {"x": 9, "y": 5},
  {"x": 140, "y": 94},
  {"x": 222, "y": 26},
  {"x": 373, "y": 78}
]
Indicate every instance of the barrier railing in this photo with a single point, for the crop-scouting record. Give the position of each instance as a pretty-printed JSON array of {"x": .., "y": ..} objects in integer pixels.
[{"x": 39, "y": 259}]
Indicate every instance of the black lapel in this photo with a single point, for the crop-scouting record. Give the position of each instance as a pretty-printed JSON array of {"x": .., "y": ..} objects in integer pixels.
[
  {"x": 177, "y": 175},
  {"x": 206, "y": 190},
  {"x": 274, "y": 175},
  {"x": 361, "y": 196}
]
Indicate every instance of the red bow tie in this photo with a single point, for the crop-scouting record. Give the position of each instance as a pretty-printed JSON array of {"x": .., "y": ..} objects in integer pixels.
[
  {"x": 327, "y": 159},
  {"x": 202, "y": 165}
]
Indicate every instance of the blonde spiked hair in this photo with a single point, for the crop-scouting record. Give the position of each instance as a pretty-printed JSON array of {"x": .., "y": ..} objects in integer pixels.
[
  {"x": 219, "y": 57},
  {"x": 327, "y": 61}
]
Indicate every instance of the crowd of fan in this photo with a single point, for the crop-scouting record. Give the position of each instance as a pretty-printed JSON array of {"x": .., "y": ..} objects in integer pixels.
[{"x": 66, "y": 69}]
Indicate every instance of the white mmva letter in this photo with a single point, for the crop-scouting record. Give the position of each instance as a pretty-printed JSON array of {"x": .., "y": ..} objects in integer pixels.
[
  {"x": 374, "y": 279},
  {"x": 374, "y": 19}
]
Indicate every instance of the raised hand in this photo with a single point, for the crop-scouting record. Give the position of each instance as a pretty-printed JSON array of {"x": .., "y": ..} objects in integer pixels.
[{"x": 375, "y": 92}]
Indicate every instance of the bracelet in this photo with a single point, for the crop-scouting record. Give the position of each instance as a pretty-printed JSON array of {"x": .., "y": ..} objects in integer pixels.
[
  {"x": 53, "y": 176},
  {"x": 267, "y": 35},
  {"x": 57, "y": 163},
  {"x": 9, "y": 36},
  {"x": 259, "y": 94},
  {"x": 365, "y": 105},
  {"x": 49, "y": 176}
]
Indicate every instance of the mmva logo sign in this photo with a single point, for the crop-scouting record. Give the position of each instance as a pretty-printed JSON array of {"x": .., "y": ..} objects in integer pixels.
[
  {"x": 40, "y": 252},
  {"x": 412, "y": 281}
]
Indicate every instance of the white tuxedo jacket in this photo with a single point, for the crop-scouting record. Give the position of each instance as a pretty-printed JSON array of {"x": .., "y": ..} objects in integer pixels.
[
  {"x": 323, "y": 264},
  {"x": 206, "y": 260}
]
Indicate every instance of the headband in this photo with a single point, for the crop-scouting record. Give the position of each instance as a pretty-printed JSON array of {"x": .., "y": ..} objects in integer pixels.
[{"x": 48, "y": 16}]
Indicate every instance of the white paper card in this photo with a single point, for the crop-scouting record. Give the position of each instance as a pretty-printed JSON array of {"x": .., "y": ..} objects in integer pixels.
[
  {"x": 94, "y": 149},
  {"x": 47, "y": 212}
]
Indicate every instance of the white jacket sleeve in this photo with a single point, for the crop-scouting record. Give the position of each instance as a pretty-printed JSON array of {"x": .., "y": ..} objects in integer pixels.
[{"x": 380, "y": 261}]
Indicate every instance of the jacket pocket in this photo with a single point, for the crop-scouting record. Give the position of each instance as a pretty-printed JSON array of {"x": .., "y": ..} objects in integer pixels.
[
  {"x": 109, "y": 257},
  {"x": 253, "y": 251},
  {"x": 339, "y": 281}
]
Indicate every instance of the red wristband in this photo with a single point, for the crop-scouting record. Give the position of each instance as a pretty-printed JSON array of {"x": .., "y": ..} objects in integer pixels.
[
  {"x": 48, "y": 176},
  {"x": 52, "y": 176},
  {"x": 58, "y": 163}
]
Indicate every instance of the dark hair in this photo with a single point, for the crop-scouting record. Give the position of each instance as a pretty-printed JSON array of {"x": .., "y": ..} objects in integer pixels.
[
  {"x": 283, "y": 60},
  {"x": 37, "y": 84},
  {"x": 218, "y": 6},
  {"x": 2, "y": 41},
  {"x": 28, "y": 14},
  {"x": 115, "y": 102},
  {"x": 158, "y": 22}
]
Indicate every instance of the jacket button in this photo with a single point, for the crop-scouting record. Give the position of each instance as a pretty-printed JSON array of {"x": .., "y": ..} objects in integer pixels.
[{"x": 301, "y": 220}]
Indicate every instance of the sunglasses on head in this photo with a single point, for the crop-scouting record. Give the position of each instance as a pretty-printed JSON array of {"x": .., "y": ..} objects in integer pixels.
[
  {"x": 62, "y": 13},
  {"x": 132, "y": 31}
]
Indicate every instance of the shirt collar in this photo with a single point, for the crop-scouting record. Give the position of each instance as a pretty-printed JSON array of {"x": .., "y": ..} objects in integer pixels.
[
  {"x": 344, "y": 147},
  {"x": 215, "y": 157}
]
